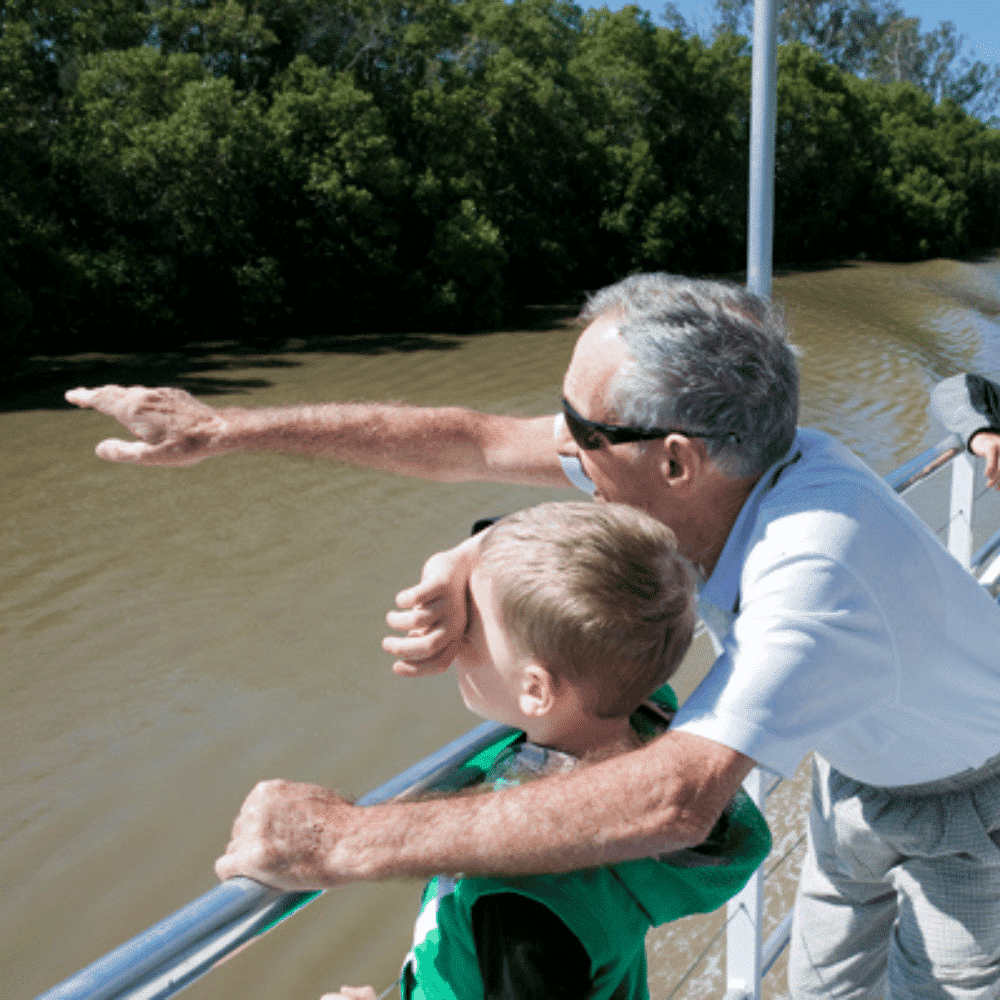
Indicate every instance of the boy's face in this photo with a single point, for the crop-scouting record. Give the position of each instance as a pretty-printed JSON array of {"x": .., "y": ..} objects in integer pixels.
[{"x": 489, "y": 665}]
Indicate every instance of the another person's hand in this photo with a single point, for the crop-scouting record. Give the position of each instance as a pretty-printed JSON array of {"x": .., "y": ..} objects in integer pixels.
[
  {"x": 172, "y": 426},
  {"x": 987, "y": 445},
  {"x": 352, "y": 993},
  {"x": 433, "y": 614},
  {"x": 286, "y": 835}
]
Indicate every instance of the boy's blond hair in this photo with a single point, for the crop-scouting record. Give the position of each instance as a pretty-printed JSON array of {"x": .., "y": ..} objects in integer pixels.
[{"x": 598, "y": 593}]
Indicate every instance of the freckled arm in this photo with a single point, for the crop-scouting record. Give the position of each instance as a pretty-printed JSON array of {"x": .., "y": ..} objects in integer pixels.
[
  {"x": 447, "y": 444},
  {"x": 663, "y": 797}
]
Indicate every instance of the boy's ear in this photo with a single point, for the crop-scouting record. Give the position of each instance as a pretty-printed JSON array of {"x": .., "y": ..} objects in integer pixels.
[{"x": 538, "y": 691}]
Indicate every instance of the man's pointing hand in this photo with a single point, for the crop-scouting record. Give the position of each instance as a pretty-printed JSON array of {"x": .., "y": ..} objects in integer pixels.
[{"x": 172, "y": 427}]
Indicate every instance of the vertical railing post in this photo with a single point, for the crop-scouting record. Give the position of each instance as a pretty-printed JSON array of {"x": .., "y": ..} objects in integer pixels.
[
  {"x": 960, "y": 516},
  {"x": 763, "y": 112},
  {"x": 744, "y": 915},
  {"x": 744, "y": 912}
]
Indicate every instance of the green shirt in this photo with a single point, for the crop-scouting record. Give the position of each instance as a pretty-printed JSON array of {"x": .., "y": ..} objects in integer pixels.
[{"x": 609, "y": 909}]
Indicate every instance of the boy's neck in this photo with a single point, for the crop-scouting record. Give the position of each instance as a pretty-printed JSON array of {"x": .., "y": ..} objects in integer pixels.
[{"x": 587, "y": 736}]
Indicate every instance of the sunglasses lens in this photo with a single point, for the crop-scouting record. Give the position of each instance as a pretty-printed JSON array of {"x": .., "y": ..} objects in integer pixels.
[{"x": 586, "y": 437}]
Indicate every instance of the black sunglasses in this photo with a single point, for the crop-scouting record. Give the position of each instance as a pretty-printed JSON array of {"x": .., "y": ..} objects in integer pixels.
[{"x": 588, "y": 433}]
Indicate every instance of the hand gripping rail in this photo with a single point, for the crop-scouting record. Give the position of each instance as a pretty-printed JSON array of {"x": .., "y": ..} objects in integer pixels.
[{"x": 172, "y": 954}]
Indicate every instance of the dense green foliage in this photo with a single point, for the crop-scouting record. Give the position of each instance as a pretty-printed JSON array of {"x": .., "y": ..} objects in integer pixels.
[{"x": 183, "y": 169}]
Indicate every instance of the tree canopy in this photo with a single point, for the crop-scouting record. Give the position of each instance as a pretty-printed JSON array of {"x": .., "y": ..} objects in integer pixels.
[
  {"x": 181, "y": 169},
  {"x": 877, "y": 40}
]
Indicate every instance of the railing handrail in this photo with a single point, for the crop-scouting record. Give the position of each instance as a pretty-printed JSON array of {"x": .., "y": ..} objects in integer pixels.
[
  {"x": 918, "y": 468},
  {"x": 182, "y": 947},
  {"x": 989, "y": 549}
]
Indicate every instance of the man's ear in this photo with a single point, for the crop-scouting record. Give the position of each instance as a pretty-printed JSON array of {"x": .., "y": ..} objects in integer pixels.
[
  {"x": 537, "y": 696},
  {"x": 681, "y": 460}
]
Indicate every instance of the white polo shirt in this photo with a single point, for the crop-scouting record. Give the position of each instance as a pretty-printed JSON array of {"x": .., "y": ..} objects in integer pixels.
[{"x": 844, "y": 626}]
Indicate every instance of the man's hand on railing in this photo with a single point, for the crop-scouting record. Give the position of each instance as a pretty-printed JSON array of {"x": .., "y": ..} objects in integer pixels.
[
  {"x": 987, "y": 445},
  {"x": 286, "y": 835}
]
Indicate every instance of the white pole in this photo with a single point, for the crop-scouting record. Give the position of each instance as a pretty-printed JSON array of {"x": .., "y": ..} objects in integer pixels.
[
  {"x": 744, "y": 918},
  {"x": 962, "y": 498},
  {"x": 763, "y": 111},
  {"x": 744, "y": 956}
]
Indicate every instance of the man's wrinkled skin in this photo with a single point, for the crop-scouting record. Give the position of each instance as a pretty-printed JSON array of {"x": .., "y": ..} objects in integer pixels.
[{"x": 278, "y": 836}]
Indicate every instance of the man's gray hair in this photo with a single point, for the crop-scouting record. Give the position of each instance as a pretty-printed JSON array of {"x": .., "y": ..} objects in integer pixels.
[{"x": 705, "y": 356}]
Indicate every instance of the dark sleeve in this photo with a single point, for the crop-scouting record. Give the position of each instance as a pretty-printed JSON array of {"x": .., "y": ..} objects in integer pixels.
[
  {"x": 526, "y": 952},
  {"x": 485, "y": 522},
  {"x": 966, "y": 404}
]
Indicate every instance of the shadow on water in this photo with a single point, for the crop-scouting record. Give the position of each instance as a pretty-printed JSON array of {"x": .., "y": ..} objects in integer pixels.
[{"x": 200, "y": 367}]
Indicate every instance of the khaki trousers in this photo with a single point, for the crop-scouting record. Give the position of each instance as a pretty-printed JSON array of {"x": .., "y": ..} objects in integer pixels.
[{"x": 900, "y": 890}]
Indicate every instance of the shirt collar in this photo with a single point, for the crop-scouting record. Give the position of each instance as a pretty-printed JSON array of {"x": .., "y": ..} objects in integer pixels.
[
  {"x": 525, "y": 760},
  {"x": 722, "y": 589}
]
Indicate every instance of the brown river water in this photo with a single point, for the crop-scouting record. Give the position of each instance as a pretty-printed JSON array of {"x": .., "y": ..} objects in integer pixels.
[{"x": 171, "y": 636}]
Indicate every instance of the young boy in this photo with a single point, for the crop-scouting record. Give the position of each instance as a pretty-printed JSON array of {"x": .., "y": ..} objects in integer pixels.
[{"x": 577, "y": 613}]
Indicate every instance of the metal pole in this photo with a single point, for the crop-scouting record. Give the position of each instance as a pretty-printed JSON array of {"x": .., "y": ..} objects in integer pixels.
[
  {"x": 745, "y": 912},
  {"x": 743, "y": 933},
  {"x": 763, "y": 112},
  {"x": 962, "y": 497},
  {"x": 172, "y": 954},
  {"x": 918, "y": 468}
]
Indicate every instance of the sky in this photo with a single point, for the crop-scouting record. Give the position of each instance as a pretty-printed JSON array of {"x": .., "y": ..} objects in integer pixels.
[{"x": 978, "y": 19}]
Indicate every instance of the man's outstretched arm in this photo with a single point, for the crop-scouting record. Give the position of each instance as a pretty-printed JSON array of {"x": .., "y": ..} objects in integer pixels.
[
  {"x": 448, "y": 444},
  {"x": 664, "y": 797}
]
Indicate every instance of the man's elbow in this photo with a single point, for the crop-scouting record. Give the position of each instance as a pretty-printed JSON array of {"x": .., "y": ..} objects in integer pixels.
[
  {"x": 688, "y": 829},
  {"x": 669, "y": 826}
]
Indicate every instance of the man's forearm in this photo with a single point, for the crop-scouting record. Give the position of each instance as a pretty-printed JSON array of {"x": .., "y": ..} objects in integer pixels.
[
  {"x": 629, "y": 807},
  {"x": 522, "y": 831},
  {"x": 449, "y": 444},
  {"x": 664, "y": 797}
]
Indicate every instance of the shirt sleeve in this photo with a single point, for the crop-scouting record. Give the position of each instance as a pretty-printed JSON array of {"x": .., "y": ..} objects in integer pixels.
[
  {"x": 807, "y": 656},
  {"x": 966, "y": 404},
  {"x": 525, "y": 952}
]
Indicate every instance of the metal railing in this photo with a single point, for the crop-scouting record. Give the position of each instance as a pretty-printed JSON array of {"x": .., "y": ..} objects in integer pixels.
[
  {"x": 172, "y": 954},
  {"x": 180, "y": 949}
]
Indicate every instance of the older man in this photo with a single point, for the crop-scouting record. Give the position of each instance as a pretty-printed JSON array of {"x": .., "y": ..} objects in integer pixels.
[{"x": 841, "y": 625}]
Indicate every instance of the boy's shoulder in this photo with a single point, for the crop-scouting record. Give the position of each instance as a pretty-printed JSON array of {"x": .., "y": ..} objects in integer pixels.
[
  {"x": 701, "y": 879},
  {"x": 655, "y": 714}
]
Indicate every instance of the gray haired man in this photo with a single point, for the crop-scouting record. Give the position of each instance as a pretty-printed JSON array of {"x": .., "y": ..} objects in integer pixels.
[{"x": 841, "y": 627}]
